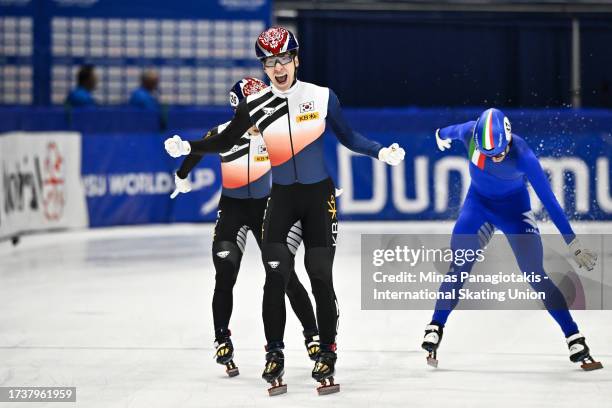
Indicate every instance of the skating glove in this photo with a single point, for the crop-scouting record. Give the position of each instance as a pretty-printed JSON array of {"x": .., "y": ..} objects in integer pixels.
[
  {"x": 582, "y": 256},
  {"x": 181, "y": 186},
  {"x": 391, "y": 155},
  {"x": 443, "y": 144},
  {"x": 177, "y": 147}
]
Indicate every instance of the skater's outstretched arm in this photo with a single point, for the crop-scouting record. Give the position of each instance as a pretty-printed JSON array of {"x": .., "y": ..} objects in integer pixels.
[
  {"x": 223, "y": 141},
  {"x": 462, "y": 131},
  {"x": 181, "y": 182},
  {"x": 392, "y": 155},
  {"x": 217, "y": 143},
  {"x": 530, "y": 165},
  {"x": 347, "y": 136},
  {"x": 194, "y": 158}
]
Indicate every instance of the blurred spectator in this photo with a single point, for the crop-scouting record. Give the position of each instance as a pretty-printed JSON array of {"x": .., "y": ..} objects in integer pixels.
[
  {"x": 145, "y": 96},
  {"x": 87, "y": 81}
]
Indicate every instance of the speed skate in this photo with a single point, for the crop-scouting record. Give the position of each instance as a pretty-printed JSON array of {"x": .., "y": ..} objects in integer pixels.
[
  {"x": 580, "y": 352},
  {"x": 324, "y": 371}
]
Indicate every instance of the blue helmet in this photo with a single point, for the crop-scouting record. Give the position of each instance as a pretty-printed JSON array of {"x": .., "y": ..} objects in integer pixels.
[
  {"x": 492, "y": 132},
  {"x": 243, "y": 88},
  {"x": 275, "y": 40}
]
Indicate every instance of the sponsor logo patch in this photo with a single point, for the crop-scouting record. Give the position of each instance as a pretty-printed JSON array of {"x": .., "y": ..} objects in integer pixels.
[
  {"x": 269, "y": 111},
  {"x": 223, "y": 254},
  {"x": 273, "y": 264},
  {"x": 307, "y": 116},
  {"x": 507, "y": 128},
  {"x": 331, "y": 207}
]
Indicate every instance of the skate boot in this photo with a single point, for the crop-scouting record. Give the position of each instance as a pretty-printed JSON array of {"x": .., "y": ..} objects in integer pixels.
[
  {"x": 274, "y": 370},
  {"x": 579, "y": 351},
  {"x": 311, "y": 340},
  {"x": 224, "y": 352},
  {"x": 431, "y": 342},
  {"x": 324, "y": 370}
]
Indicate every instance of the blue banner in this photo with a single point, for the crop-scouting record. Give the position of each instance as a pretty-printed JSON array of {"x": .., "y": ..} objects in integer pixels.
[{"x": 128, "y": 177}]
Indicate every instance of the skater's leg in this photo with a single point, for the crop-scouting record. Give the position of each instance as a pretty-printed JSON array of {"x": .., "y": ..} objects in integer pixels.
[
  {"x": 300, "y": 303},
  {"x": 279, "y": 264},
  {"x": 471, "y": 231},
  {"x": 515, "y": 219},
  {"x": 227, "y": 248},
  {"x": 524, "y": 238},
  {"x": 297, "y": 294},
  {"x": 226, "y": 258},
  {"x": 529, "y": 255},
  {"x": 320, "y": 227},
  {"x": 278, "y": 261},
  {"x": 318, "y": 262}
]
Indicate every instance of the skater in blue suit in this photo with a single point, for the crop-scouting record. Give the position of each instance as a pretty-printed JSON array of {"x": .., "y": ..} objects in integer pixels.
[{"x": 500, "y": 165}]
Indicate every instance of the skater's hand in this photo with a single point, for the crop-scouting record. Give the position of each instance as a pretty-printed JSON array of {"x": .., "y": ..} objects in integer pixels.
[
  {"x": 177, "y": 147},
  {"x": 443, "y": 144},
  {"x": 391, "y": 155},
  {"x": 181, "y": 186},
  {"x": 582, "y": 256}
]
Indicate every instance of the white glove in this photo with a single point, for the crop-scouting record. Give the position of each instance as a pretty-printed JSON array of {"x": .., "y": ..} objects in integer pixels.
[
  {"x": 391, "y": 155},
  {"x": 582, "y": 256},
  {"x": 181, "y": 186},
  {"x": 443, "y": 144},
  {"x": 177, "y": 147}
]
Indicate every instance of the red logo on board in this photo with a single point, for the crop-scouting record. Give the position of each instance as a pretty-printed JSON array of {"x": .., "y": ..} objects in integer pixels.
[{"x": 53, "y": 183}]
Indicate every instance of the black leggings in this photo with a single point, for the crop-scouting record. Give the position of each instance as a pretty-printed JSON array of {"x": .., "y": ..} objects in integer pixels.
[
  {"x": 314, "y": 205},
  {"x": 234, "y": 219}
]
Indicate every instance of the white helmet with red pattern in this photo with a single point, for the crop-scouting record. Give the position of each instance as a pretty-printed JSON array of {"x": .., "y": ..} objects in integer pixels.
[
  {"x": 243, "y": 88},
  {"x": 275, "y": 40}
]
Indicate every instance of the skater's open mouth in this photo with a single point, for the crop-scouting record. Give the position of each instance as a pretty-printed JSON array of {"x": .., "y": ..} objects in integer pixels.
[{"x": 281, "y": 79}]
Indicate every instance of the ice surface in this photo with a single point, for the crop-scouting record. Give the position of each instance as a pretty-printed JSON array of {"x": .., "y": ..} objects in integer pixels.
[{"x": 124, "y": 315}]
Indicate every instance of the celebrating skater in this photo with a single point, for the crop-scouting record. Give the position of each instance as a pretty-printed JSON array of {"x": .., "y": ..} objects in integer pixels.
[
  {"x": 501, "y": 163},
  {"x": 292, "y": 116},
  {"x": 246, "y": 180}
]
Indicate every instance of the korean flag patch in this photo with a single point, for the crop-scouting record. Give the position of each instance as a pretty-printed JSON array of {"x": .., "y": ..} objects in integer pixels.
[{"x": 307, "y": 107}]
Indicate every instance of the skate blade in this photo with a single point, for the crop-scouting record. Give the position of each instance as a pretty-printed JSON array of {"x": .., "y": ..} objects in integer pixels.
[
  {"x": 432, "y": 362},
  {"x": 232, "y": 372},
  {"x": 328, "y": 389},
  {"x": 593, "y": 365},
  {"x": 231, "y": 369},
  {"x": 277, "y": 390}
]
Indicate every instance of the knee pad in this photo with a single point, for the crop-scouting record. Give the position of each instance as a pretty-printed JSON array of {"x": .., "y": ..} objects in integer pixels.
[
  {"x": 319, "y": 263},
  {"x": 278, "y": 260},
  {"x": 226, "y": 257}
]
